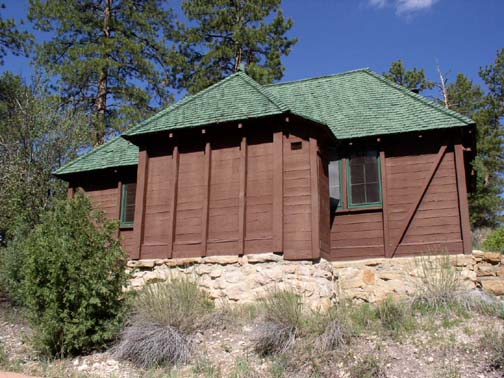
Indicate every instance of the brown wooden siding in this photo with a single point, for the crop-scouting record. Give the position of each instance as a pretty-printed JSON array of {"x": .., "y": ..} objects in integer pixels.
[
  {"x": 297, "y": 198},
  {"x": 265, "y": 189},
  {"x": 357, "y": 235},
  {"x": 324, "y": 208},
  {"x": 104, "y": 192},
  {"x": 259, "y": 195}
]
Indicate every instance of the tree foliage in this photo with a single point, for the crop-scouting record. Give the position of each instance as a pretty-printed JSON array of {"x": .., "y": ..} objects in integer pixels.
[
  {"x": 73, "y": 279},
  {"x": 38, "y": 133},
  {"x": 415, "y": 79},
  {"x": 224, "y": 34},
  {"x": 11, "y": 38},
  {"x": 112, "y": 57},
  {"x": 487, "y": 202}
]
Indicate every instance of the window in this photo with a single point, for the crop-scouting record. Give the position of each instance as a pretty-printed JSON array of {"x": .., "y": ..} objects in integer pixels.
[
  {"x": 362, "y": 181},
  {"x": 334, "y": 184},
  {"x": 128, "y": 204}
]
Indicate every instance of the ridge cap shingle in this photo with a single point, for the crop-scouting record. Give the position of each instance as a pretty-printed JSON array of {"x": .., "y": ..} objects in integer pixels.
[
  {"x": 293, "y": 82},
  {"x": 240, "y": 74},
  {"x": 420, "y": 98}
]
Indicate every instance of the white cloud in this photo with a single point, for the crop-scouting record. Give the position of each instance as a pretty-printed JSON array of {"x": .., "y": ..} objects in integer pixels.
[
  {"x": 404, "y": 6},
  {"x": 409, "y": 6},
  {"x": 378, "y": 3}
]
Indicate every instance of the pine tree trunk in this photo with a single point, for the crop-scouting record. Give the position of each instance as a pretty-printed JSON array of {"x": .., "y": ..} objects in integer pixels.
[{"x": 101, "y": 99}]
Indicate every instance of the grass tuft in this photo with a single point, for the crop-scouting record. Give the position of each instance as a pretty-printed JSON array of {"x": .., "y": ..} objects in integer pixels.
[
  {"x": 437, "y": 284},
  {"x": 178, "y": 303},
  {"x": 281, "y": 323},
  {"x": 368, "y": 366},
  {"x": 153, "y": 345},
  {"x": 493, "y": 342}
]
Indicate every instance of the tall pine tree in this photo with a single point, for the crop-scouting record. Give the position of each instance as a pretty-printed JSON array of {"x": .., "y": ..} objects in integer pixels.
[
  {"x": 11, "y": 38},
  {"x": 226, "y": 33},
  {"x": 485, "y": 203},
  {"x": 111, "y": 56},
  {"x": 415, "y": 79}
]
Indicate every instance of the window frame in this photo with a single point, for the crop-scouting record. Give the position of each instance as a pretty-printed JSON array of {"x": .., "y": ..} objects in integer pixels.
[
  {"x": 346, "y": 186},
  {"x": 122, "y": 221},
  {"x": 351, "y": 205}
]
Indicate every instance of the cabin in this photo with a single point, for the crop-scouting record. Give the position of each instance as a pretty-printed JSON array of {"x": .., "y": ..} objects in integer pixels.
[{"x": 347, "y": 166}]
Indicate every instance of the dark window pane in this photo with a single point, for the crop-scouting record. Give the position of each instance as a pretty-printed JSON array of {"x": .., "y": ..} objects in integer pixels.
[
  {"x": 357, "y": 170},
  {"x": 358, "y": 194},
  {"x": 128, "y": 203},
  {"x": 371, "y": 171},
  {"x": 364, "y": 180},
  {"x": 372, "y": 193}
]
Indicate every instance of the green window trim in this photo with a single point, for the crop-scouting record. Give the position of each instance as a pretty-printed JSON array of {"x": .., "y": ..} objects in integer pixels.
[
  {"x": 351, "y": 205},
  {"x": 124, "y": 197}
]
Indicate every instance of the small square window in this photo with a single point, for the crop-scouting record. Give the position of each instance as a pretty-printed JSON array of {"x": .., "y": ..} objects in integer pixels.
[{"x": 296, "y": 146}]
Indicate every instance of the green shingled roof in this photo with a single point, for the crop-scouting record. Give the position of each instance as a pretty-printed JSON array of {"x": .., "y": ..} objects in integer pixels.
[
  {"x": 352, "y": 104},
  {"x": 116, "y": 153},
  {"x": 362, "y": 103},
  {"x": 235, "y": 98}
]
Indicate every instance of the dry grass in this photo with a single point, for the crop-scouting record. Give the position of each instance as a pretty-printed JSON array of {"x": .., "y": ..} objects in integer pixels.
[
  {"x": 150, "y": 345},
  {"x": 165, "y": 316},
  {"x": 177, "y": 302},
  {"x": 368, "y": 366},
  {"x": 437, "y": 283},
  {"x": 493, "y": 342},
  {"x": 282, "y": 316}
]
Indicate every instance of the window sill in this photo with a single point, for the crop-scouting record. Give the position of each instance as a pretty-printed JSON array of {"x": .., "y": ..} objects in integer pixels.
[
  {"x": 359, "y": 209},
  {"x": 124, "y": 227}
]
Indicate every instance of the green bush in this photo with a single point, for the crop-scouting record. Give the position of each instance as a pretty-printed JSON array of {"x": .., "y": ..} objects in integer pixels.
[
  {"x": 73, "y": 278},
  {"x": 12, "y": 259},
  {"x": 495, "y": 241}
]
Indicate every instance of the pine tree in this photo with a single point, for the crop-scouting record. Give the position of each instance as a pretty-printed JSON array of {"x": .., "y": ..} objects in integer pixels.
[
  {"x": 111, "y": 56},
  {"x": 485, "y": 203},
  {"x": 228, "y": 33},
  {"x": 415, "y": 79},
  {"x": 11, "y": 39}
]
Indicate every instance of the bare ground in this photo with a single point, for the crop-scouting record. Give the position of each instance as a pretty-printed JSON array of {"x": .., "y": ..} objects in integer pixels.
[{"x": 437, "y": 348}]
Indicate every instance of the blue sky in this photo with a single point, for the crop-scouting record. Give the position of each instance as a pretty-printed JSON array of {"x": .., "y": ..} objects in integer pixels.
[{"x": 341, "y": 35}]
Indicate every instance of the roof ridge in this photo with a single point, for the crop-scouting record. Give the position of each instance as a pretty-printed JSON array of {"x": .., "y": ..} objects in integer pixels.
[
  {"x": 420, "y": 98},
  {"x": 178, "y": 104},
  {"x": 94, "y": 150},
  {"x": 365, "y": 69},
  {"x": 263, "y": 91}
]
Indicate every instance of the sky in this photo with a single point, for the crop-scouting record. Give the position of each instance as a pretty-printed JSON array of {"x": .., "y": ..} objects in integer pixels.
[{"x": 341, "y": 35}]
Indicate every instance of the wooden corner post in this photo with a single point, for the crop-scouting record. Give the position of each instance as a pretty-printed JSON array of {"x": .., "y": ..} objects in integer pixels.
[
  {"x": 206, "y": 197},
  {"x": 142, "y": 176},
  {"x": 173, "y": 203},
  {"x": 278, "y": 191},
  {"x": 385, "y": 210},
  {"x": 243, "y": 196},
  {"x": 465, "y": 224},
  {"x": 315, "y": 199}
]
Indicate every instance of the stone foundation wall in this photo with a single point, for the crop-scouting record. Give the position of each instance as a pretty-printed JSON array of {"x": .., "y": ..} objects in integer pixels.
[{"x": 244, "y": 279}]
